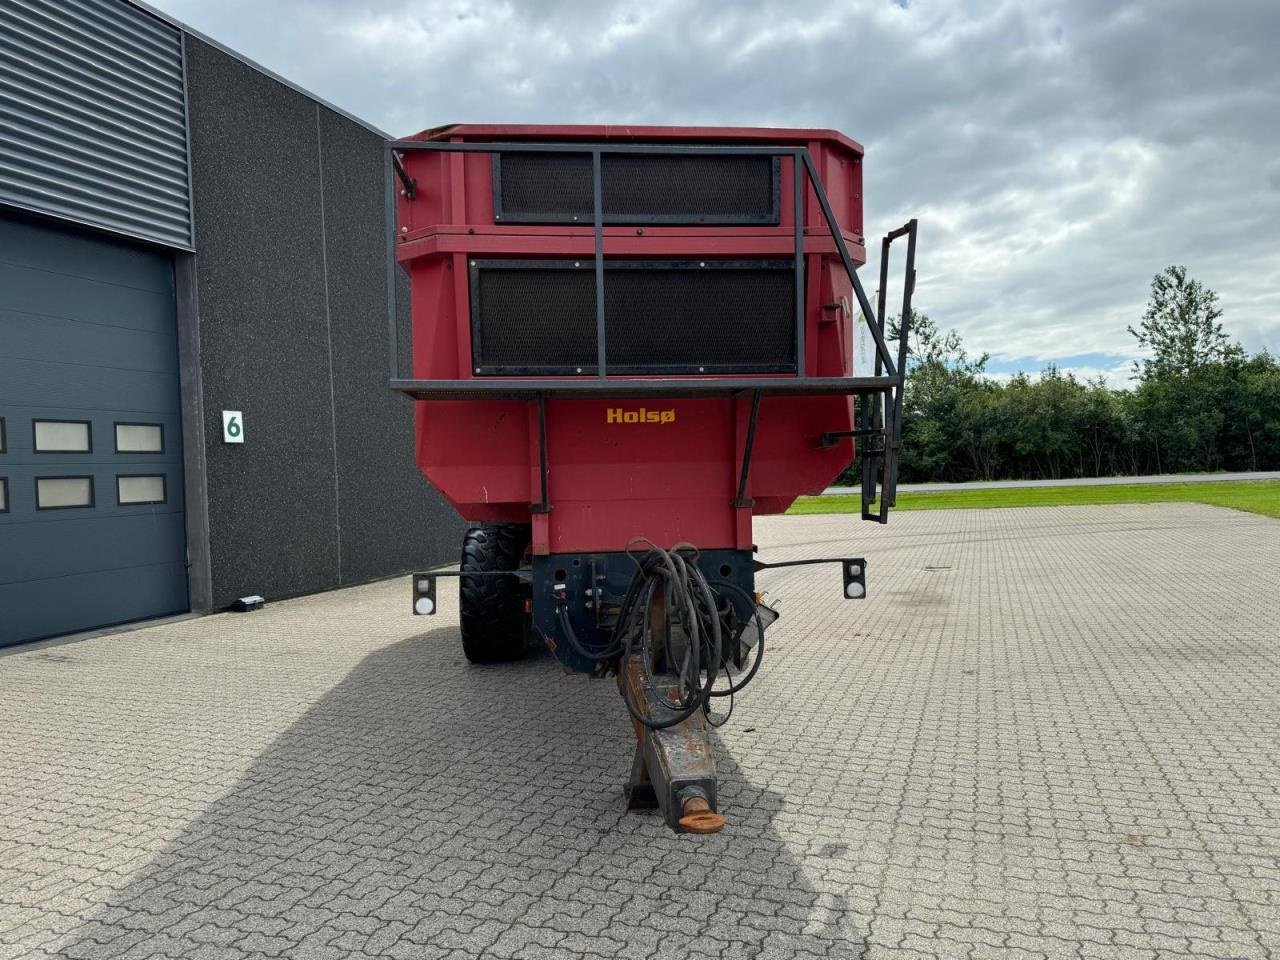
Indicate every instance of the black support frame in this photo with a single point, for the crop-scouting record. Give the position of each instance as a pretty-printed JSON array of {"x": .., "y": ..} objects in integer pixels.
[
  {"x": 881, "y": 415},
  {"x": 884, "y": 388}
]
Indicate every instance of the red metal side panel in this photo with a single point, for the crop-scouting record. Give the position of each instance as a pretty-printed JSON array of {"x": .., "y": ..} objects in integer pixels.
[
  {"x": 623, "y": 469},
  {"x": 665, "y": 470},
  {"x": 477, "y": 454}
]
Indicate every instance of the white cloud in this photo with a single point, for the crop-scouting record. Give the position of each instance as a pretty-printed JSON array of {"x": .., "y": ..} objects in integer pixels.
[{"x": 1057, "y": 153}]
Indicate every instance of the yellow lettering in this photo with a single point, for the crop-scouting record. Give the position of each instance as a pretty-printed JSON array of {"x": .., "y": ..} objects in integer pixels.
[{"x": 642, "y": 415}]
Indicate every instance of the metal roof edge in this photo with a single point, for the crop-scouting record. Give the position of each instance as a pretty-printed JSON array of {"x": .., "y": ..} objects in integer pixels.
[
  {"x": 178, "y": 24},
  {"x": 638, "y": 132}
]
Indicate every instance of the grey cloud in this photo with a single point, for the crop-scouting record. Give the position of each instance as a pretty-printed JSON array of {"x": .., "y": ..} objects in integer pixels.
[{"x": 1058, "y": 154}]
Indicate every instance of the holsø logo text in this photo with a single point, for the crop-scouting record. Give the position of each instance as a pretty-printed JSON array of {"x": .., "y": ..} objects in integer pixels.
[{"x": 619, "y": 415}]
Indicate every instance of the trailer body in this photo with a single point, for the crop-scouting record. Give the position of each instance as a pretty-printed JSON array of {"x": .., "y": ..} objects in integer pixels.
[
  {"x": 665, "y": 469},
  {"x": 626, "y": 343}
]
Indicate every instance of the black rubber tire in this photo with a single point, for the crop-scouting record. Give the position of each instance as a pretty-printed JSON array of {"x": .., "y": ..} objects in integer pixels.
[{"x": 492, "y": 608}]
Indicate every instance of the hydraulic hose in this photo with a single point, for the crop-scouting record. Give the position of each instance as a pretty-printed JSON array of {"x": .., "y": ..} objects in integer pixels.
[{"x": 689, "y": 601}]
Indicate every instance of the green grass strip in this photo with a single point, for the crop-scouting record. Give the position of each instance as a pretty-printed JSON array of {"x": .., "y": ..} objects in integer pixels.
[{"x": 1253, "y": 496}]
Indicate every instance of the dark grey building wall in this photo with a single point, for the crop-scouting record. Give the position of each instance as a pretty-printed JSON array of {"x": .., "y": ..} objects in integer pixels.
[
  {"x": 291, "y": 299},
  {"x": 374, "y": 487}
]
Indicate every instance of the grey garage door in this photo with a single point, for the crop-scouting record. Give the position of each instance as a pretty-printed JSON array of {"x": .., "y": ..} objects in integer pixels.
[{"x": 91, "y": 513}]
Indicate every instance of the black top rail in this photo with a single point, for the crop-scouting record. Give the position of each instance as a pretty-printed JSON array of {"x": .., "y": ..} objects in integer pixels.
[{"x": 621, "y": 388}]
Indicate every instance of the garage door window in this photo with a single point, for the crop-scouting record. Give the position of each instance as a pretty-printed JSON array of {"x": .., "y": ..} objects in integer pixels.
[
  {"x": 63, "y": 493},
  {"x": 139, "y": 438},
  {"x": 133, "y": 489},
  {"x": 4, "y": 494},
  {"x": 3, "y": 448},
  {"x": 62, "y": 436}
]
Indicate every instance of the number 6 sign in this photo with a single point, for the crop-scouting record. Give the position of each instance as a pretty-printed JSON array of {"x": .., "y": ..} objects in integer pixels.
[{"x": 232, "y": 426}]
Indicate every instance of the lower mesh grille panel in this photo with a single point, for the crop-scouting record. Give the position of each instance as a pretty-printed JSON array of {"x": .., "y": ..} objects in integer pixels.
[
  {"x": 635, "y": 188},
  {"x": 539, "y": 317},
  {"x": 741, "y": 318},
  {"x": 533, "y": 319}
]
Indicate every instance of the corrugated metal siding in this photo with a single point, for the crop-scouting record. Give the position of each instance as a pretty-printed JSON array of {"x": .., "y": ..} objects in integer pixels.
[{"x": 93, "y": 117}]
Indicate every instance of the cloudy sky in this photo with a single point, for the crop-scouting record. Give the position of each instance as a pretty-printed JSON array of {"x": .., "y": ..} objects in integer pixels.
[{"x": 1057, "y": 154}]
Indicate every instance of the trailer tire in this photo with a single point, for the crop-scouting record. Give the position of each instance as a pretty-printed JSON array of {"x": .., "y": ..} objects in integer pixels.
[{"x": 492, "y": 608}]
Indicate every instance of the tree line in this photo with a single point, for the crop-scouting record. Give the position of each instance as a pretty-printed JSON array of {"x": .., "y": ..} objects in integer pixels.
[{"x": 1198, "y": 402}]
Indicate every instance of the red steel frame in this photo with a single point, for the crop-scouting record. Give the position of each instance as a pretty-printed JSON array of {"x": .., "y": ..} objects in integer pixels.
[{"x": 675, "y": 480}]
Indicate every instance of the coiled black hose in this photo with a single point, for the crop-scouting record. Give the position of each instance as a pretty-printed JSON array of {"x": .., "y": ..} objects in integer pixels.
[{"x": 690, "y": 603}]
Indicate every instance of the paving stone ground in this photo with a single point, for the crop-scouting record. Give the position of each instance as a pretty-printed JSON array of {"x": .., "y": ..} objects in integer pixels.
[{"x": 1047, "y": 733}]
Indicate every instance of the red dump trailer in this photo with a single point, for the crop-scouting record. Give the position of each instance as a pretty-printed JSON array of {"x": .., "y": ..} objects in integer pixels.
[{"x": 626, "y": 342}]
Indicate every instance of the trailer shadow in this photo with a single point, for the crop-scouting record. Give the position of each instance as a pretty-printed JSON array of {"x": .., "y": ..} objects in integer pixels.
[{"x": 426, "y": 808}]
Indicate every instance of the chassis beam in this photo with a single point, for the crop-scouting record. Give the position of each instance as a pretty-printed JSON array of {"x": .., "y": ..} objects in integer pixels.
[{"x": 673, "y": 768}]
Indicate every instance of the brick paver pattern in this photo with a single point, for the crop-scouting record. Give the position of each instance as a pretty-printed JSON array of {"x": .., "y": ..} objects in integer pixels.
[{"x": 1047, "y": 733}]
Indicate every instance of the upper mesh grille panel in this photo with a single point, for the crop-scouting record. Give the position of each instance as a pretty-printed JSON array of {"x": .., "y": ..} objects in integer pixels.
[{"x": 636, "y": 188}]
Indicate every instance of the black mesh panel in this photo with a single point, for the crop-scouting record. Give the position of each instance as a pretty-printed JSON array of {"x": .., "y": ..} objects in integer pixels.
[
  {"x": 636, "y": 188},
  {"x": 696, "y": 189},
  {"x": 550, "y": 187},
  {"x": 688, "y": 317},
  {"x": 660, "y": 317},
  {"x": 531, "y": 319}
]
